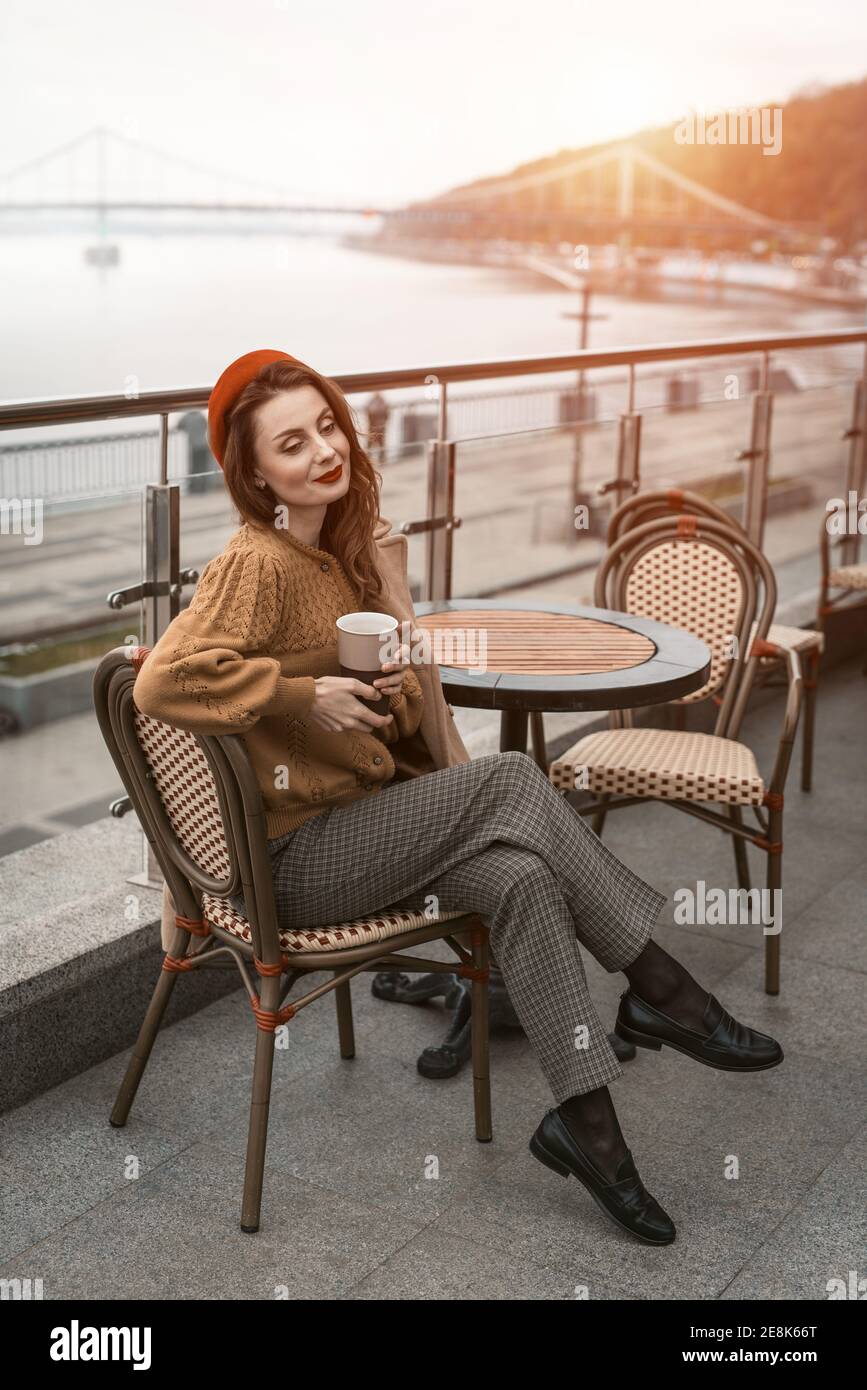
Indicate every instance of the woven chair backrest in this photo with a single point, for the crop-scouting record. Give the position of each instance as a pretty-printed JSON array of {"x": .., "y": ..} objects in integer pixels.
[
  {"x": 188, "y": 791},
  {"x": 700, "y": 575},
  {"x": 697, "y": 587}
]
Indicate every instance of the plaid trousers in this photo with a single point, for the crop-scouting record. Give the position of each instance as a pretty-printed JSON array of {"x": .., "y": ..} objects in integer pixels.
[{"x": 491, "y": 836}]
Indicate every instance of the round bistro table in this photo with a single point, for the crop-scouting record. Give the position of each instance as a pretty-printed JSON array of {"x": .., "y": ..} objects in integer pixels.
[{"x": 499, "y": 655}]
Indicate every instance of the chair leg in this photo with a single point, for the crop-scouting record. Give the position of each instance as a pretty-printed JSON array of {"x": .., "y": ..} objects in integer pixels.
[
  {"x": 259, "y": 1107},
  {"x": 809, "y": 717},
  {"x": 537, "y": 737},
  {"x": 143, "y": 1045},
  {"x": 599, "y": 818},
  {"x": 742, "y": 865},
  {"x": 345, "y": 1028},
  {"x": 775, "y": 879},
  {"x": 481, "y": 1037}
]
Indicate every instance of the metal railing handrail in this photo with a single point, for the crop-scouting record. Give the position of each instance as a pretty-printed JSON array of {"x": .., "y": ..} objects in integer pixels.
[{"x": 46, "y": 411}]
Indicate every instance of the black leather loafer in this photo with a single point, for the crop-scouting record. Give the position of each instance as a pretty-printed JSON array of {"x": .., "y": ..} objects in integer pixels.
[
  {"x": 626, "y": 1201},
  {"x": 724, "y": 1043}
]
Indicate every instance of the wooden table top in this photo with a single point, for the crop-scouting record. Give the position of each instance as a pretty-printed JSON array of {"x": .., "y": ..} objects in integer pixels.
[
  {"x": 519, "y": 641},
  {"x": 494, "y": 654}
]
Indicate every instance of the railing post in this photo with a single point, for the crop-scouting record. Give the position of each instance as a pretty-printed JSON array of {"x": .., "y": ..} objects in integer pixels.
[
  {"x": 628, "y": 454},
  {"x": 856, "y": 468},
  {"x": 161, "y": 578},
  {"x": 440, "y": 503},
  {"x": 161, "y": 559},
  {"x": 757, "y": 456},
  {"x": 628, "y": 475}
]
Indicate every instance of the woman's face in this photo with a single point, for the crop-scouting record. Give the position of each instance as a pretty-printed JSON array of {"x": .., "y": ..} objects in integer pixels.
[{"x": 301, "y": 451}]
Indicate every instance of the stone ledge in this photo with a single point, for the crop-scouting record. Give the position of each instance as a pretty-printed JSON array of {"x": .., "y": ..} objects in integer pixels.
[{"x": 75, "y": 975}]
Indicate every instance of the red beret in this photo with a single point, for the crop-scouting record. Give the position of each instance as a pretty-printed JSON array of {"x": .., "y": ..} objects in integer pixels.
[{"x": 229, "y": 386}]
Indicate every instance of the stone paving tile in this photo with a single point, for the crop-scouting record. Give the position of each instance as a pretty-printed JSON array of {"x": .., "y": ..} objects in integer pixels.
[
  {"x": 674, "y": 852},
  {"x": 59, "y": 1156},
  {"x": 175, "y": 1233},
  {"x": 833, "y": 927},
  {"x": 535, "y": 1215},
  {"x": 200, "y": 1071},
  {"x": 821, "y": 1247},
  {"x": 806, "y": 1099},
  {"x": 386, "y": 1136},
  {"x": 436, "y": 1265}
]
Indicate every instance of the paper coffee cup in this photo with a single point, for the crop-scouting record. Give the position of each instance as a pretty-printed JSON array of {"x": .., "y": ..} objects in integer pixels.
[{"x": 364, "y": 642}]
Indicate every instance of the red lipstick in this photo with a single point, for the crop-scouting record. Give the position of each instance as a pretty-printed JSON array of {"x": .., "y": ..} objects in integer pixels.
[{"x": 330, "y": 477}]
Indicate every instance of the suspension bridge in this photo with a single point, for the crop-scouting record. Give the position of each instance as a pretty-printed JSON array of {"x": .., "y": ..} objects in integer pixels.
[{"x": 620, "y": 193}]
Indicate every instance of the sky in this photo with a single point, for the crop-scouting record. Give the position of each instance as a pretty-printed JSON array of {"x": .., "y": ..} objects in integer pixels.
[{"x": 383, "y": 102}]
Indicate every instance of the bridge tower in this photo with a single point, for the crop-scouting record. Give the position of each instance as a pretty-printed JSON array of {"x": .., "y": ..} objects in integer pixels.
[{"x": 625, "y": 199}]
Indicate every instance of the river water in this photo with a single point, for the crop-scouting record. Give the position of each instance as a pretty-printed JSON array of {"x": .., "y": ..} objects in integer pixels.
[{"x": 176, "y": 309}]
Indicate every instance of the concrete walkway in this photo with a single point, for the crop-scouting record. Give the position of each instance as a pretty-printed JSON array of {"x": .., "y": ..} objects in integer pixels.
[{"x": 375, "y": 1187}]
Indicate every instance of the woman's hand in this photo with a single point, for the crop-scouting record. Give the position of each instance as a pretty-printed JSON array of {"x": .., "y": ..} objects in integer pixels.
[
  {"x": 391, "y": 684},
  {"x": 337, "y": 706}
]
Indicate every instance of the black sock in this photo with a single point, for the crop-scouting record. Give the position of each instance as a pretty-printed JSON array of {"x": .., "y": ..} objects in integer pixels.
[
  {"x": 592, "y": 1121},
  {"x": 660, "y": 979}
]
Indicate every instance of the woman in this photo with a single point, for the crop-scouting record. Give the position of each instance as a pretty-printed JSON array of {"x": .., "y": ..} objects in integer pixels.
[{"x": 358, "y": 816}]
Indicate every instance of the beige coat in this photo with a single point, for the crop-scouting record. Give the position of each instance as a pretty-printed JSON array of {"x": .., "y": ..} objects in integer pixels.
[{"x": 437, "y": 728}]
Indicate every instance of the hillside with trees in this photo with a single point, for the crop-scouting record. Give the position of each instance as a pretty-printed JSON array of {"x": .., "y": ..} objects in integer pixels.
[{"x": 819, "y": 176}]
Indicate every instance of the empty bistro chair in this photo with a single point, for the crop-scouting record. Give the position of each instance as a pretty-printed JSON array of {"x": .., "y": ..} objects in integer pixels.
[
  {"x": 845, "y": 584},
  {"x": 697, "y": 574},
  {"x": 201, "y": 809},
  {"x": 809, "y": 643}
]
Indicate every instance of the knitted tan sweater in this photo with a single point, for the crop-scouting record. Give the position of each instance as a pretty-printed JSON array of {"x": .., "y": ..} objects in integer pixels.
[{"x": 243, "y": 657}]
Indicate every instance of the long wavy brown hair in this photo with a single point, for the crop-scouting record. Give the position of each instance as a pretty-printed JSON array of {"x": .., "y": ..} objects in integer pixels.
[{"x": 347, "y": 530}]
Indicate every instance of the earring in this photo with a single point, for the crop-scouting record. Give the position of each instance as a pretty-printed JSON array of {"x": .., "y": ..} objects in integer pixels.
[{"x": 261, "y": 483}]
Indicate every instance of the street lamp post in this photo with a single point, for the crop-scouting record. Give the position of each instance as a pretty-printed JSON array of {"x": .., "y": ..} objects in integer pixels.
[{"x": 584, "y": 318}]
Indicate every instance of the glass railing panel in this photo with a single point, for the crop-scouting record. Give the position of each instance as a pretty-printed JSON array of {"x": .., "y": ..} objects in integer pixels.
[
  {"x": 695, "y": 421},
  {"x": 208, "y": 515},
  {"x": 532, "y": 518},
  {"x": 60, "y": 556},
  {"x": 807, "y": 474},
  {"x": 403, "y": 468},
  {"x": 479, "y": 416}
]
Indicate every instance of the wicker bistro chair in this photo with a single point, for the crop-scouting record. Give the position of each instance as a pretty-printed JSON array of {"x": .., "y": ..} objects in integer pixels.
[
  {"x": 840, "y": 585},
  {"x": 697, "y": 574},
  {"x": 809, "y": 643},
  {"x": 201, "y": 809}
]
